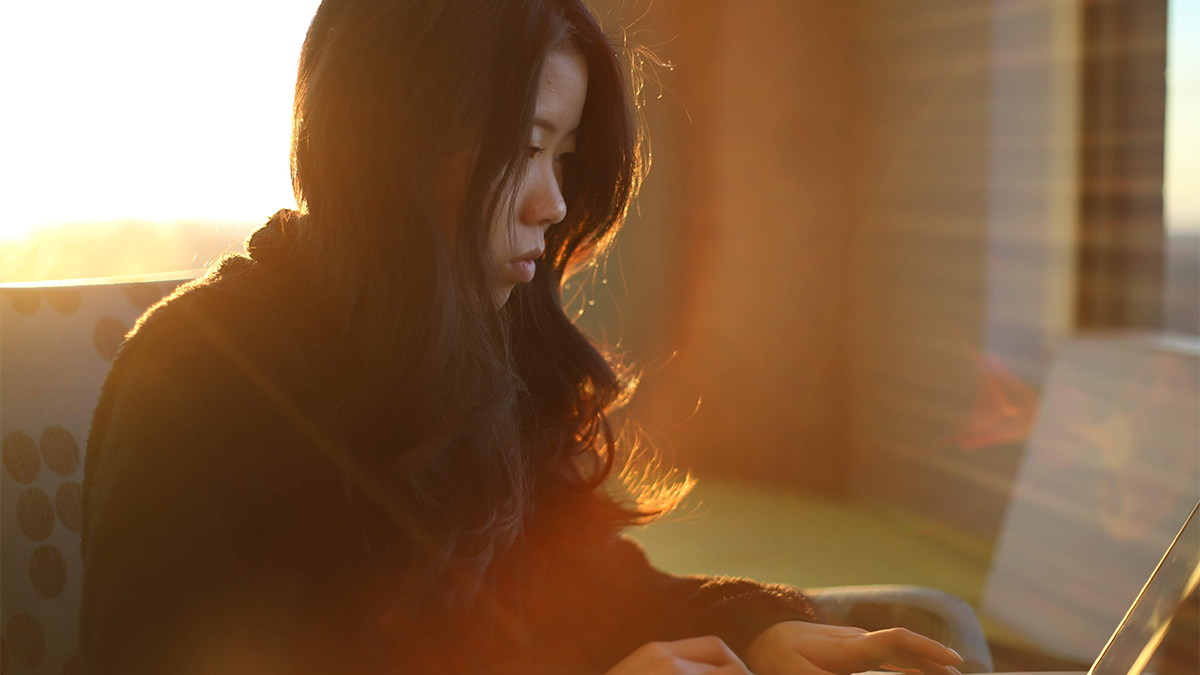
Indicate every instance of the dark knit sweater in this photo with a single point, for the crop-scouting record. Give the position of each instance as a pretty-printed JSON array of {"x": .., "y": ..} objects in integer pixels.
[{"x": 220, "y": 536}]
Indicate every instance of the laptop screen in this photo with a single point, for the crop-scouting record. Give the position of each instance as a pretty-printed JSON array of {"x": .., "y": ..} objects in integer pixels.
[{"x": 1133, "y": 644}]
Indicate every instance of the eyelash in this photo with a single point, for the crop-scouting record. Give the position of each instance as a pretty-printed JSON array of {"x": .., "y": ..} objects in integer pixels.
[{"x": 535, "y": 150}]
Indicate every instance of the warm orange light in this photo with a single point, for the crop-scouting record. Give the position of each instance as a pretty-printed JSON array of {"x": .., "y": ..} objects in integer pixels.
[{"x": 1005, "y": 408}]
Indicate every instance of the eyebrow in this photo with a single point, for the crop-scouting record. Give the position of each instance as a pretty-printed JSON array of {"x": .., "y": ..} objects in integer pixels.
[{"x": 549, "y": 126}]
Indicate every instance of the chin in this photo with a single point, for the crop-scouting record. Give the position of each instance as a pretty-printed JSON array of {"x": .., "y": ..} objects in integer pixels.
[{"x": 502, "y": 295}]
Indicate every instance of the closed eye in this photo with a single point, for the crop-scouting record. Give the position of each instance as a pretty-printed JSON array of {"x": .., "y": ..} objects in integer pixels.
[{"x": 563, "y": 158}]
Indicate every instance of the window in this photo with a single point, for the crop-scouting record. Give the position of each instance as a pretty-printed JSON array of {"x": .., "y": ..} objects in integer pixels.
[
  {"x": 143, "y": 136},
  {"x": 1181, "y": 190}
]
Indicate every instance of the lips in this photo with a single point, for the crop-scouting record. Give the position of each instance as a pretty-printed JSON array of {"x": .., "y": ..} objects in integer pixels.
[
  {"x": 531, "y": 254},
  {"x": 523, "y": 270},
  {"x": 524, "y": 267}
]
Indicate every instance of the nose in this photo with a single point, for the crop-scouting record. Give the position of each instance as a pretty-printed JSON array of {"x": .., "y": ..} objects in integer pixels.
[{"x": 543, "y": 204}]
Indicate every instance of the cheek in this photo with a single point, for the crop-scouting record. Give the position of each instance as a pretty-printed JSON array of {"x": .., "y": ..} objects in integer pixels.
[
  {"x": 501, "y": 253},
  {"x": 504, "y": 226},
  {"x": 501, "y": 235}
]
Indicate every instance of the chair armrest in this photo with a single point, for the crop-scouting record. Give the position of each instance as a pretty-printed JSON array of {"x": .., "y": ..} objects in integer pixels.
[{"x": 935, "y": 614}]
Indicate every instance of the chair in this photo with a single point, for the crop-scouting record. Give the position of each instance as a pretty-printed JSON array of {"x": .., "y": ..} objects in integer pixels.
[{"x": 56, "y": 344}]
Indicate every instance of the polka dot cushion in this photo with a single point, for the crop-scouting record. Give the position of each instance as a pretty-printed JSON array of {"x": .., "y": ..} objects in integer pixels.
[{"x": 56, "y": 345}]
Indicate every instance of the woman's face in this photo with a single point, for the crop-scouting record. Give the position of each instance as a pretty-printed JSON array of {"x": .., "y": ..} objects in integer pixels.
[{"x": 519, "y": 242}]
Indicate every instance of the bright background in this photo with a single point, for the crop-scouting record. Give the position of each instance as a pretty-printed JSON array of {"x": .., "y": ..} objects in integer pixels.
[
  {"x": 179, "y": 113},
  {"x": 1181, "y": 189},
  {"x": 137, "y": 110}
]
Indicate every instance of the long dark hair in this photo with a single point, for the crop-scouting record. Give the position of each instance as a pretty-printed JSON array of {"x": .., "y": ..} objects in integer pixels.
[{"x": 472, "y": 416}]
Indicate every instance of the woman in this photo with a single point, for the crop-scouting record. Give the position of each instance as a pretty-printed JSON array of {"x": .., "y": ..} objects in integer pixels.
[{"x": 376, "y": 444}]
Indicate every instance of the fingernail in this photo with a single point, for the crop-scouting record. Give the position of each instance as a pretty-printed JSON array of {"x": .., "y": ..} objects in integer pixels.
[{"x": 956, "y": 654}]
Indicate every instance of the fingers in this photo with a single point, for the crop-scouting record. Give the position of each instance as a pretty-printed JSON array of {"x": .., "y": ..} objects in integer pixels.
[
  {"x": 910, "y": 664},
  {"x": 892, "y": 666},
  {"x": 731, "y": 669},
  {"x": 931, "y": 668},
  {"x": 910, "y": 651},
  {"x": 798, "y": 665},
  {"x": 708, "y": 649},
  {"x": 913, "y": 645},
  {"x": 692, "y": 656}
]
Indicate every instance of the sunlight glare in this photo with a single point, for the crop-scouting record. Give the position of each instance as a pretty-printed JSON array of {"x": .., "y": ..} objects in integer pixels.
[
  {"x": 147, "y": 111},
  {"x": 1181, "y": 189}
]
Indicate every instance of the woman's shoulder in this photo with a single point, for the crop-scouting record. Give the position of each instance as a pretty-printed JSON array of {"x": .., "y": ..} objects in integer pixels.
[
  {"x": 209, "y": 482},
  {"x": 227, "y": 351},
  {"x": 225, "y": 305},
  {"x": 187, "y": 321},
  {"x": 241, "y": 319},
  {"x": 214, "y": 388}
]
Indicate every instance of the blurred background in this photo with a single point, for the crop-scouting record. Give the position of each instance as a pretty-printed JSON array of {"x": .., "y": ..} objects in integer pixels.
[{"x": 915, "y": 284}]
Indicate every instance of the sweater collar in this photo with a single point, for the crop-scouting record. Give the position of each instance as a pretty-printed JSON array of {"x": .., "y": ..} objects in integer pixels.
[{"x": 274, "y": 241}]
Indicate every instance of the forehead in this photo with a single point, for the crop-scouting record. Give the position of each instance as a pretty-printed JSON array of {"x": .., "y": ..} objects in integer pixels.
[{"x": 562, "y": 88}]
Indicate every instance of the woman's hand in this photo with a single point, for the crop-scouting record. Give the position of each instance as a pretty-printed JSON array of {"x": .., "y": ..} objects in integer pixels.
[
  {"x": 801, "y": 648},
  {"x": 692, "y": 656}
]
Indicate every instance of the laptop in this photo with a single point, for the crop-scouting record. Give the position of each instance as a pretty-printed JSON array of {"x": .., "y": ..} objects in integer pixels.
[{"x": 1139, "y": 634}]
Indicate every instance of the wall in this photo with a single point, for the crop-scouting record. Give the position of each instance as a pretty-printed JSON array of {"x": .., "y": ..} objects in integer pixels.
[
  {"x": 853, "y": 254},
  {"x": 919, "y": 260},
  {"x": 737, "y": 263}
]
